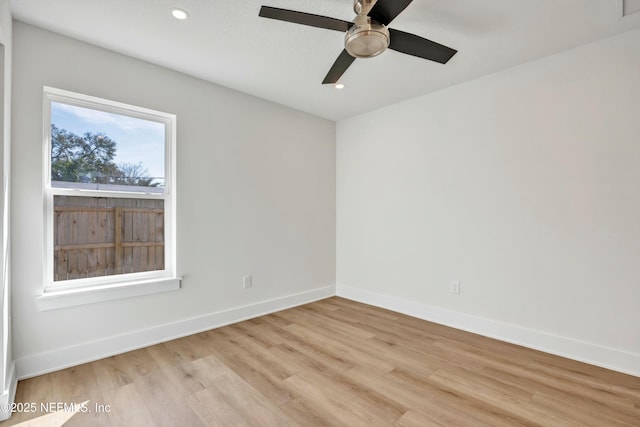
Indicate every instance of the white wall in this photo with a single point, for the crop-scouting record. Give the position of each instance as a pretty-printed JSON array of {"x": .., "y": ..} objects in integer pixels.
[
  {"x": 524, "y": 185},
  {"x": 256, "y": 195},
  {"x": 7, "y": 371}
]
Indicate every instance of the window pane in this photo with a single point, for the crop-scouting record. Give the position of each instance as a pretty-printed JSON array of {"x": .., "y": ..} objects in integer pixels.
[
  {"x": 104, "y": 236},
  {"x": 93, "y": 149}
]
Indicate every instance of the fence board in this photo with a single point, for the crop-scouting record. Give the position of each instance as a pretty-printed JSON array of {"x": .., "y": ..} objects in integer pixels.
[
  {"x": 81, "y": 246},
  {"x": 101, "y": 261},
  {"x": 98, "y": 236},
  {"x": 117, "y": 233},
  {"x": 72, "y": 272},
  {"x": 141, "y": 244}
]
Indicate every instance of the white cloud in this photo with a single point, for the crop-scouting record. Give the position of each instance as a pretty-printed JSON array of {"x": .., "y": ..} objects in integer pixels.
[{"x": 125, "y": 123}]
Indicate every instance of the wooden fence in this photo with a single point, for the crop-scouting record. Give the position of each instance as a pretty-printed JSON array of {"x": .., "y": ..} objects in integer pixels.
[{"x": 100, "y": 236}]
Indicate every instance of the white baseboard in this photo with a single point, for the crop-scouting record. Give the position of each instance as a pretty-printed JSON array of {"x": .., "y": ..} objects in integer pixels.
[
  {"x": 54, "y": 360},
  {"x": 8, "y": 396},
  {"x": 610, "y": 358}
]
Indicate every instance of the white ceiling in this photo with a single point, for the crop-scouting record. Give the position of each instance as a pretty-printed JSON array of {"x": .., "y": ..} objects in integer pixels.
[{"x": 225, "y": 42}]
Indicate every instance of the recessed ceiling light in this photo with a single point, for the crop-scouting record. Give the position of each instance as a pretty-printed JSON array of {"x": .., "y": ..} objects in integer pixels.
[
  {"x": 339, "y": 86},
  {"x": 179, "y": 13}
]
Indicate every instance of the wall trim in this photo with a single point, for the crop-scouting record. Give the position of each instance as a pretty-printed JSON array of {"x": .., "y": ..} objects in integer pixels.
[
  {"x": 594, "y": 354},
  {"x": 42, "y": 363},
  {"x": 50, "y": 361},
  {"x": 8, "y": 396}
]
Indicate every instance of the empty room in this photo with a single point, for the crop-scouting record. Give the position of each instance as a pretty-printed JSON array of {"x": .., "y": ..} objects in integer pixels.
[{"x": 320, "y": 213}]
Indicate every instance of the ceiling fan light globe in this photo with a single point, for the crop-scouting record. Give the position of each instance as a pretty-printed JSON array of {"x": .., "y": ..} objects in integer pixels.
[{"x": 366, "y": 42}]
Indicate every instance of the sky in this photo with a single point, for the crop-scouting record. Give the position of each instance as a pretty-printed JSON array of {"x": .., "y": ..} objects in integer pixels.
[{"x": 137, "y": 140}]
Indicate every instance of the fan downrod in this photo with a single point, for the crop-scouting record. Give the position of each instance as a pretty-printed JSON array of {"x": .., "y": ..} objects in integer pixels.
[{"x": 362, "y": 7}]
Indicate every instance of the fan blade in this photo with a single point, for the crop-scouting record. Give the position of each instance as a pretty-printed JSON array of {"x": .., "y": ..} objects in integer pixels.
[
  {"x": 338, "y": 68},
  {"x": 305, "y": 18},
  {"x": 385, "y": 11},
  {"x": 417, "y": 46}
]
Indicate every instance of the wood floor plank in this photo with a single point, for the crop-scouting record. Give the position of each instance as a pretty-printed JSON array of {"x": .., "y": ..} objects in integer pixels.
[
  {"x": 168, "y": 404},
  {"x": 116, "y": 371},
  {"x": 233, "y": 402},
  {"x": 264, "y": 333},
  {"x": 299, "y": 360},
  {"x": 354, "y": 354},
  {"x": 415, "y": 419},
  {"x": 437, "y": 405},
  {"x": 179, "y": 372},
  {"x": 345, "y": 404},
  {"x": 368, "y": 344},
  {"x": 380, "y": 313},
  {"x": 326, "y": 304},
  {"x": 336, "y": 326},
  {"x": 383, "y": 330},
  {"x": 316, "y": 351},
  {"x": 359, "y": 396},
  {"x": 256, "y": 354},
  {"x": 306, "y": 412},
  {"x": 590, "y": 376},
  {"x": 336, "y": 362},
  {"x": 77, "y": 385},
  {"x": 587, "y": 413},
  {"x": 128, "y": 407},
  {"x": 563, "y": 391},
  {"x": 252, "y": 368},
  {"x": 516, "y": 405}
]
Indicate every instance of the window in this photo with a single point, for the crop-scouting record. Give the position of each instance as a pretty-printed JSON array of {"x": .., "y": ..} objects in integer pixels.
[{"x": 109, "y": 196}]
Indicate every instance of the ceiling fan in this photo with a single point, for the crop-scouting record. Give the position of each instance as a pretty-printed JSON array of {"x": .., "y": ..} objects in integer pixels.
[{"x": 367, "y": 36}]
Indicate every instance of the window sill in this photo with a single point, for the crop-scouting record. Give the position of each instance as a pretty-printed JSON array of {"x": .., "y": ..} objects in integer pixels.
[{"x": 73, "y": 297}]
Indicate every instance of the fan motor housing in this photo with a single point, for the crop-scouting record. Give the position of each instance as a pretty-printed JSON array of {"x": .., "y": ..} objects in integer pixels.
[{"x": 366, "y": 38}]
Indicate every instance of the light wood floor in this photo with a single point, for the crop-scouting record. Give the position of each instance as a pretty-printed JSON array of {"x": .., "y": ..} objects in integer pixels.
[{"x": 337, "y": 362}]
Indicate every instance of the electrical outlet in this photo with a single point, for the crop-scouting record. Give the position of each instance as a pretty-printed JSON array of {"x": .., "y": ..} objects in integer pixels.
[
  {"x": 455, "y": 286},
  {"x": 247, "y": 282}
]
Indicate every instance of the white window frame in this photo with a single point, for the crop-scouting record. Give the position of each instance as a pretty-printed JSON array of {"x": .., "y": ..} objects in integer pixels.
[{"x": 59, "y": 294}]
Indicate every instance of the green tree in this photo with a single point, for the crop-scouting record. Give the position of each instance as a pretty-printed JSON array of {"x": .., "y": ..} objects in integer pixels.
[
  {"x": 134, "y": 174},
  {"x": 90, "y": 158},
  {"x": 87, "y": 158}
]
